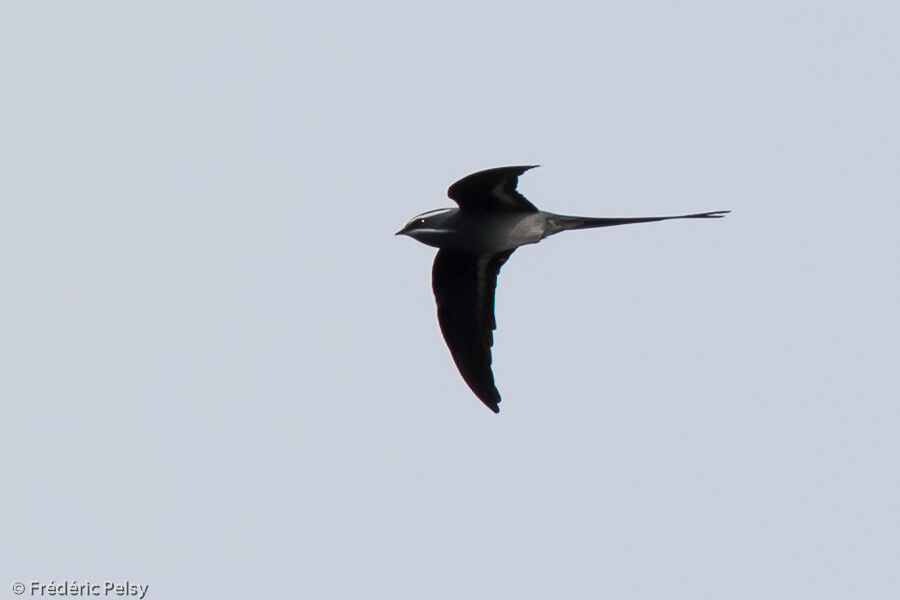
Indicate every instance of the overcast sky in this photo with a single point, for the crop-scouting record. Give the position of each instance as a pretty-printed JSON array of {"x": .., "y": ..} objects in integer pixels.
[{"x": 222, "y": 375}]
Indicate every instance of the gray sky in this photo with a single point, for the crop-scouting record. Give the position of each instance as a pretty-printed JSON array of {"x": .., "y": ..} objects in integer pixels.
[{"x": 223, "y": 376}]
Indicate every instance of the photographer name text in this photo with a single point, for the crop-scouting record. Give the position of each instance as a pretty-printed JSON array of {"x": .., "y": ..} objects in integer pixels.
[{"x": 87, "y": 588}]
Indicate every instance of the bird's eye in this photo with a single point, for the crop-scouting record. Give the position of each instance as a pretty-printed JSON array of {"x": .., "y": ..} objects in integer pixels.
[{"x": 422, "y": 221}]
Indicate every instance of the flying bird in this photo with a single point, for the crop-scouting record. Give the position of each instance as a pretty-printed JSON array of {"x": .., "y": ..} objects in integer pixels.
[{"x": 474, "y": 241}]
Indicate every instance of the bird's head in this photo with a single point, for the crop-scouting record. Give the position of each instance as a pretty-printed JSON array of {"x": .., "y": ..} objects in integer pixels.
[{"x": 428, "y": 227}]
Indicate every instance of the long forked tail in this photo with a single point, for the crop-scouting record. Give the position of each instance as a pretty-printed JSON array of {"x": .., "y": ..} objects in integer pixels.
[{"x": 563, "y": 222}]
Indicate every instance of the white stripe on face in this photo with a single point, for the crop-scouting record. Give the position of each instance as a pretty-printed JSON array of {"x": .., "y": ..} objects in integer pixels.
[{"x": 432, "y": 213}]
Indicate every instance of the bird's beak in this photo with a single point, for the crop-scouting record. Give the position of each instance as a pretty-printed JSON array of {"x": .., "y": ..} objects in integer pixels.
[{"x": 402, "y": 231}]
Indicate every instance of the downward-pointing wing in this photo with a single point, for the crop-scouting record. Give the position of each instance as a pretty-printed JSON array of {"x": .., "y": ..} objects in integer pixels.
[{"x": 464, "y": 286}]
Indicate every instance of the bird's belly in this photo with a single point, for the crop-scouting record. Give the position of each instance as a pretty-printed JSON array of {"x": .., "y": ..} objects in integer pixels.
[{"x": 495, "y": 232}]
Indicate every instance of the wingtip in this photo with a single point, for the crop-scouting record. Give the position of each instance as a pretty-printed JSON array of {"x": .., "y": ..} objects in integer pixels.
[
  {"x": 493, "y": 401},
  {"x": 521, "y": 168}
]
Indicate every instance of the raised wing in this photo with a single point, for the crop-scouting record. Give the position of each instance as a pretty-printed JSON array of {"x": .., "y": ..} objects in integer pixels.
[
  {"x": 464, "y": 286},
  {"x": 493, "y": 189}
]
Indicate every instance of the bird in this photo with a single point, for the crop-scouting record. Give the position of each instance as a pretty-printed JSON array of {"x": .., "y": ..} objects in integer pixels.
[{"x": 474, "y": 241}]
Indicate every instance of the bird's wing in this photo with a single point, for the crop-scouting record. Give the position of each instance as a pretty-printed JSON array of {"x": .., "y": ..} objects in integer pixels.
[
  {"x": 493, "y": 189},
  {"x": 464, "y": 286}
]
